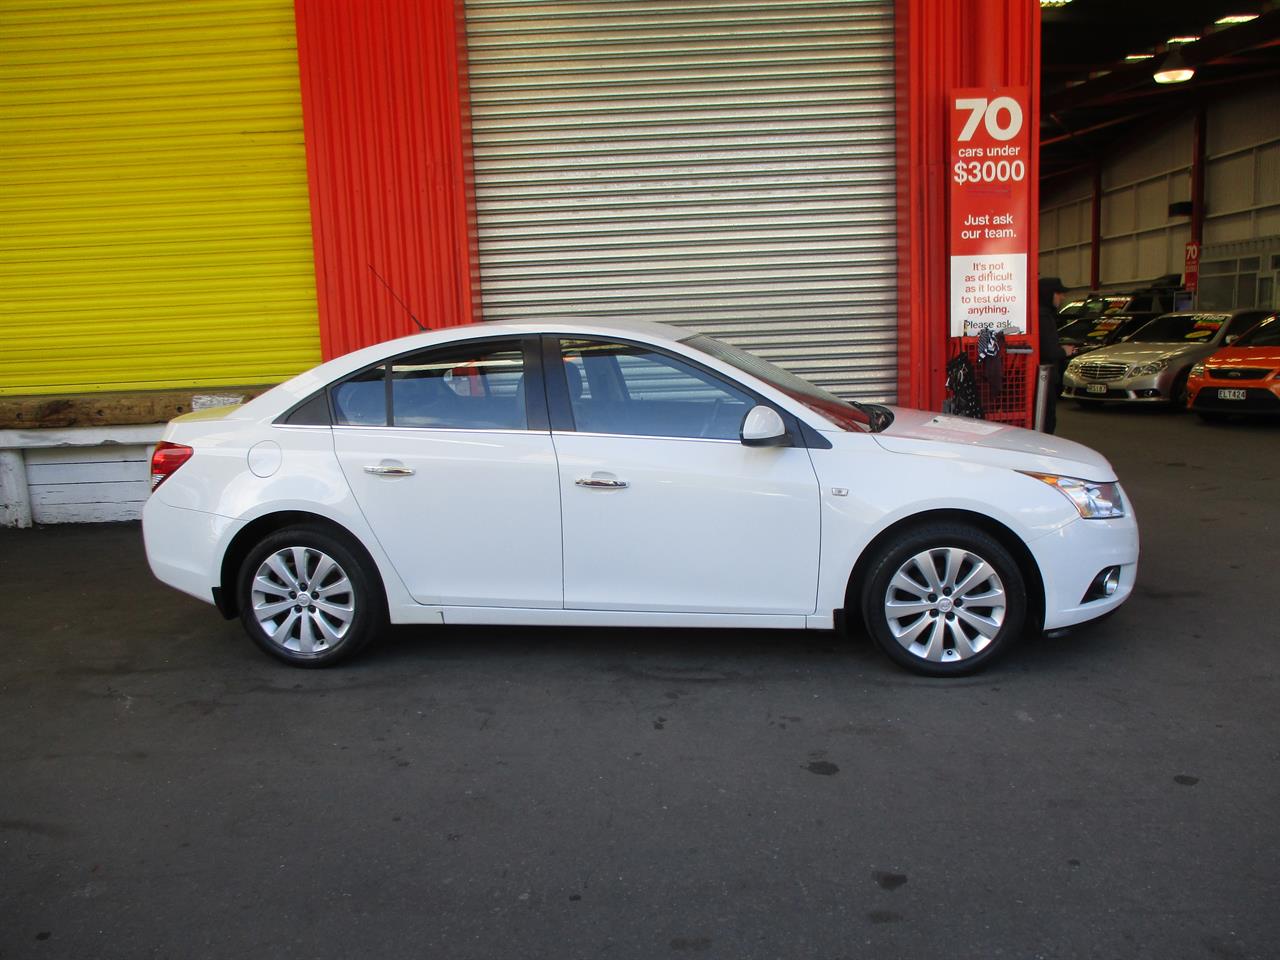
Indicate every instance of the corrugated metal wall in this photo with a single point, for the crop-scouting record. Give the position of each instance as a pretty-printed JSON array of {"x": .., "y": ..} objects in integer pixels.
[
  {"x": 725, "y": 165},
  {"x": 153, "y": 196},
  {"x": 1140, "y": 239},
  {"x": 1066, "y": 232},
  {"x": 381, "y": 88}
]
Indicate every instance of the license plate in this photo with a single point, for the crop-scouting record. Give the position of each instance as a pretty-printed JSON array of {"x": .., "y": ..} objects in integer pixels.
[
  {"x": 1096, "y": 388},
  {"x": 1227, "y": 393}
]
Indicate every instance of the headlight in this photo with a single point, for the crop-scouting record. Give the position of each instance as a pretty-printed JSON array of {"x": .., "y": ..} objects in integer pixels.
[
  {"x": 1155, "y": 366},
  {"x": 1197, "y": 370},
  {"x": 1095, "y": 501},
  {"x": 1073, "y": 366}
]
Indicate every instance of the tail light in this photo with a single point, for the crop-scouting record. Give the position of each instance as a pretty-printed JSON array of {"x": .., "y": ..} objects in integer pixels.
[{"x": 166, "y": 459}]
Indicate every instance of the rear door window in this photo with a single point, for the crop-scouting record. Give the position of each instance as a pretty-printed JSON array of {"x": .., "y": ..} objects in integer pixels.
[{"x": 478, "y": 386}]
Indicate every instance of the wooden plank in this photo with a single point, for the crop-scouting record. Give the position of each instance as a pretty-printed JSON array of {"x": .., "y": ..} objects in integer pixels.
[
  {"x": 46, "y": 494},
  {"x": 114, "y": 409},
  {"x": 87, "y": 512},
  {"x": 114, "y": 453},
  {"x": 72, "y": 473}
]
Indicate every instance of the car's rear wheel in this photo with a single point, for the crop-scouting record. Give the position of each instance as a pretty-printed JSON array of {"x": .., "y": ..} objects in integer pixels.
[
  {"x": 944, "y": 600},
  {"x": 308, "y": 598}
]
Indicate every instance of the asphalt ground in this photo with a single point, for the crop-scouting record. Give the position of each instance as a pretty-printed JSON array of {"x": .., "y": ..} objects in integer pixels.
[{"x": 168, "y": 791}]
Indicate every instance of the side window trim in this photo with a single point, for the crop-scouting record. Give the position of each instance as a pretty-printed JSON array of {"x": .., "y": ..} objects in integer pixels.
[
  {"x": 557, "y": 388},
  {"x": 536, "y": 411},
  {"x": 535, "y": 391}
]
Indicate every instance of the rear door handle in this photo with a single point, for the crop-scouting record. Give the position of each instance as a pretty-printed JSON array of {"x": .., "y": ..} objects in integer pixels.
[{"x": 388, "y": 471}]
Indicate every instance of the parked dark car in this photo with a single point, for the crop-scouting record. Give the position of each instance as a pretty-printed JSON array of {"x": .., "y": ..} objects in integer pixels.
[
  {"x": 1090, "y": 308},
  {"x": 1090, "y": 333}
]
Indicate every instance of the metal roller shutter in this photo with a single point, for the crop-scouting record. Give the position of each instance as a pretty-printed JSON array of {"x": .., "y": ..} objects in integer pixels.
[
  {"x": 153, "y": 194},
  {"x": 724, "y": 165}
]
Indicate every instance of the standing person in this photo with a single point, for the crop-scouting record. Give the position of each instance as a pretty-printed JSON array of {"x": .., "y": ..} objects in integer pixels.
[{"x": 1052, "y": 293}]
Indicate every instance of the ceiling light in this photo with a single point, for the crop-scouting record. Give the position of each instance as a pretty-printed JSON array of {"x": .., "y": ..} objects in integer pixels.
[
  {"x": 1189, "y": 39},
  {"x": 1174, "y": 69},
  {"x": 1140, "y": 56},
  {"x": 1235, "y": 18},
  {"x": 1054, "y": 3}
]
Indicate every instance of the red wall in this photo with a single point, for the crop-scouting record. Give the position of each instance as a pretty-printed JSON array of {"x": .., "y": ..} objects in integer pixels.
[
  {"x": 388, "y": 162},
  {"x": 388, "y": 153},
  {"x": 944, "y": 44}
]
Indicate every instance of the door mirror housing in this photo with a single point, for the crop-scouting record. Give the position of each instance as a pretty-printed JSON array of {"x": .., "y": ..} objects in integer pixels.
[{"x": 763, "y": 427}]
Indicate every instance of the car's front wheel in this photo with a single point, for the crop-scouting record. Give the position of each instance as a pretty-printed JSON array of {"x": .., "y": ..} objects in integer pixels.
[
  {"x": 1178, "y": 392},
  {"x": 944, "y": 600},
  {"x": 308, "y": 598}
]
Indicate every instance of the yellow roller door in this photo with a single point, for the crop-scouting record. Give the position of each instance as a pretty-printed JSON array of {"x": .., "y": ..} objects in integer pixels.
[{"x": 154, "y": 221}]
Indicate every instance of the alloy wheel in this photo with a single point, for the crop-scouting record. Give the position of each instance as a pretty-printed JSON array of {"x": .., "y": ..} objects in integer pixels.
[
  {"x": 303, "y": 600},
  {"x": 945, "y": 604}
]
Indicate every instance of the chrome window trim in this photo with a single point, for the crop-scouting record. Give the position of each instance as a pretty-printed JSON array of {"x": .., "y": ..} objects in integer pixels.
[
  {"x": 383, "y": 426},
  {"x": 642, "y": 436}
]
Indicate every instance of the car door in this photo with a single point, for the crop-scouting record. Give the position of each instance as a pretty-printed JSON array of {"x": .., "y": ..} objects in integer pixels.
[
  {"x": 664, "y": 508},
  {"x": 447, "y": 451}
]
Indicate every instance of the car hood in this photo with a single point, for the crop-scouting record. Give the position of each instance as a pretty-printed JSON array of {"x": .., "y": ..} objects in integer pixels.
[
  {"x": 1246, "y": 356},
  {"x": 990, "y": 444},
  {"x": 1147, "y": 352}
]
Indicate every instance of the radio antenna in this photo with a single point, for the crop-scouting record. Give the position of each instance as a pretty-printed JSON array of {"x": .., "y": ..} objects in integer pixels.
[{"x": 398, "y": 300}]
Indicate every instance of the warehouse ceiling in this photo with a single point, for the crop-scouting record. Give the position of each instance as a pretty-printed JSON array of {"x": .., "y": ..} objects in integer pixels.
[{"x": 1094, "y": 100}]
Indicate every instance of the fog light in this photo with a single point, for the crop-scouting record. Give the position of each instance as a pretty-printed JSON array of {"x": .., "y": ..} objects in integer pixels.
[{"x": 1104, "y": 585}]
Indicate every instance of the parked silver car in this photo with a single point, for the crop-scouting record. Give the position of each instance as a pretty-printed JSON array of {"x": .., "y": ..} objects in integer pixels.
[{"x": 1151, "y": 366}]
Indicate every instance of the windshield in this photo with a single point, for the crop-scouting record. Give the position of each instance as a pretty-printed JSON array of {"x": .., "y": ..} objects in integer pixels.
[
  {"x": 1181, "y": 328},
  {"x": 1265, "y": 334},
  {"x": 1106, "y": 326},
  {"x": 848, "y": 416},
  {"x": 1077, "y": 328}
]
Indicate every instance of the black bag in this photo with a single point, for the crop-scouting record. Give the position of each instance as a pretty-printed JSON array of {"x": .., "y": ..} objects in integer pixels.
[
  {"x": 991, "y": 348},
  {"x": 962, "y": 384}
]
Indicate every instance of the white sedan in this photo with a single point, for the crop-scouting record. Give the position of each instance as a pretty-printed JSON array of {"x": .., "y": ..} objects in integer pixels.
[{"x": 625, "y": 474}]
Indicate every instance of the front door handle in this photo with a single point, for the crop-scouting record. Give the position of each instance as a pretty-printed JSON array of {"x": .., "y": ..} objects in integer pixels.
[
  {"x": 389, "y": 471},
  {"x": 601, "y": 483}
]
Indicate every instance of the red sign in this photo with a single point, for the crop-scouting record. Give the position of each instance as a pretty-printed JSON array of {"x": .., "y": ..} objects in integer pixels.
[
  {"x": 1191, "y": 267},
  {"x": 990, "y": 210}
]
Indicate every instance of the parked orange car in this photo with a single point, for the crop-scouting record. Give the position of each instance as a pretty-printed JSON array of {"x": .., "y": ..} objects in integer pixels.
[{"x": 1241, "y": 378}]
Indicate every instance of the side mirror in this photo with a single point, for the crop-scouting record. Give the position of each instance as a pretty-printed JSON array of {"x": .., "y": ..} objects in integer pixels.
[{"x": 762, "y": 427}]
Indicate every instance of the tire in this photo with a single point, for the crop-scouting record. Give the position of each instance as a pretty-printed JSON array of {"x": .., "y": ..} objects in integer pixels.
[
  {"x": 923, "y": 627},
  {"x": 1178, "y": 392},
  {"x": 285, "y": 614}
]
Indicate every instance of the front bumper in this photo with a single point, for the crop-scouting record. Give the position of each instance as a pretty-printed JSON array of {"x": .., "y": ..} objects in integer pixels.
[
  {"x": 1151, "y": 388},
  {"x": 1259, "y": 396},
  {"x": 1071, "y": 558}
]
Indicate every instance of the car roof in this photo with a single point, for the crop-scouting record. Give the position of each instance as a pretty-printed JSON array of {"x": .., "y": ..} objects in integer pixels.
[
  {"x": 310, "y": 380},
  {"x": 650, "y": 329}
]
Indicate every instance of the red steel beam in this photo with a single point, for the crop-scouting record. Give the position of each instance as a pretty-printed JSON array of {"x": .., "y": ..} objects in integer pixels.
[
  {"x": 388, "y": 167},
  {"x": 944, "y": 44}
]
